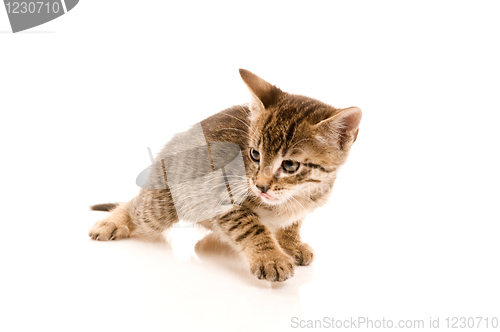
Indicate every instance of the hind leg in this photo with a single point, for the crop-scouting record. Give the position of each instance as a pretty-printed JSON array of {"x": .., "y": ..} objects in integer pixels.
[
  {"x": 152, "y": 212},
  {"x": 147, "y": 215},
  {"x": 117, "y": 225}
]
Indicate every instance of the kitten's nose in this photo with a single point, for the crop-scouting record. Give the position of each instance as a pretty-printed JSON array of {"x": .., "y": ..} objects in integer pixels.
[{"x": 264, "y": 188}]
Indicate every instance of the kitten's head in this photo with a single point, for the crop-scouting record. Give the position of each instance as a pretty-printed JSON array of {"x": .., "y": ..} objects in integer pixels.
[{"x": 296, "y": 143}]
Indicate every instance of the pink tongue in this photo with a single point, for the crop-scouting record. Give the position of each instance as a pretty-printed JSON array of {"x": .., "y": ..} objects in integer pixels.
[{"x": 265, "y": 195}]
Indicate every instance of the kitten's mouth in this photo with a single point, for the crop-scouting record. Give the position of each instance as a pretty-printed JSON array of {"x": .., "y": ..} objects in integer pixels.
[{"x": 266, "y": 196}]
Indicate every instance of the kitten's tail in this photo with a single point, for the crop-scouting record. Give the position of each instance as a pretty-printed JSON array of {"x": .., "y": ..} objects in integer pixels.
[{"x": 104, "y": 207}]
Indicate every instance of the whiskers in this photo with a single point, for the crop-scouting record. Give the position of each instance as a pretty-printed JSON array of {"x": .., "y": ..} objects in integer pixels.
[
  {"x": 298, "y": 202},
  {"x": 238, "y": 194},
  {"x": 302, "y": 206},
  {"x": 251, "y": 130},
  {"x": 308, "y": 199}
]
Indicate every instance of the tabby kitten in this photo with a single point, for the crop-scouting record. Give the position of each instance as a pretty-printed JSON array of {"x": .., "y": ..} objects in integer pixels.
[{"x": 250, "y": 174}]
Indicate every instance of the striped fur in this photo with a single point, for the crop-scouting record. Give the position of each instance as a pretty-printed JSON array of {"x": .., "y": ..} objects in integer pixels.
[{"x": 263, "y": 227}]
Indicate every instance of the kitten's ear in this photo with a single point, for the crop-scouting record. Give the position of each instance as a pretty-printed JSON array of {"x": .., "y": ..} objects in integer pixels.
[
  {"x": 264, "y": 94},
  {"x": 342, "y": 127}
]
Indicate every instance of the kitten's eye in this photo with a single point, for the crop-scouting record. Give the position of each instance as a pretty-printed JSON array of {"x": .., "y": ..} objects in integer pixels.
[
  {"x": 254, "y": 154},
  {"x": 290, "y": 166}
]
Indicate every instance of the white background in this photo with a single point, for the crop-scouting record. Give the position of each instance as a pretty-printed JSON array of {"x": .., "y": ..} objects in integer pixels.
[{"x": 411, "y": 231}]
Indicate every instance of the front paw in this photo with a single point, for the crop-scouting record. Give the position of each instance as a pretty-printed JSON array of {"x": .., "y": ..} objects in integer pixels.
[
  {"x": 303, "y": 254},
  {"x": 277, "y": 266}
]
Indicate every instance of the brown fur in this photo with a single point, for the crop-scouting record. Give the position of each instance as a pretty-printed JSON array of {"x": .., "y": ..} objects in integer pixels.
[
  {"x": 104, "y": 207},
  {"x": 280, "y": 126}
]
